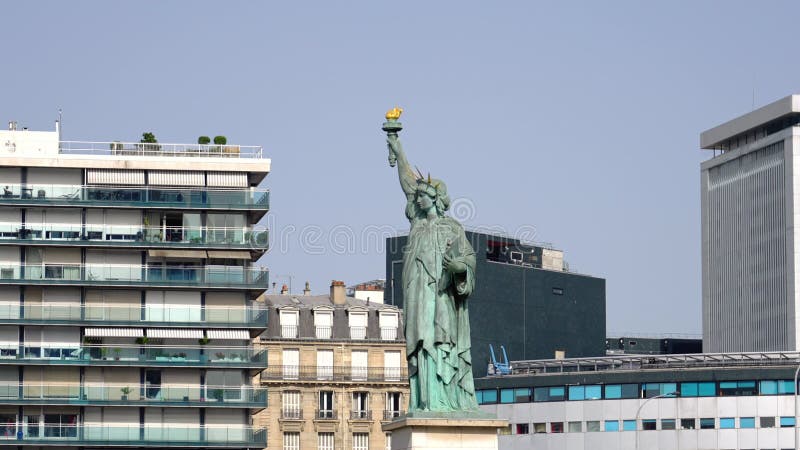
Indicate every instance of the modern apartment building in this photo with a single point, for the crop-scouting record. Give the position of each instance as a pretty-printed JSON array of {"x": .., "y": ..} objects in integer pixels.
[
  {"x": 337, "y": 370},
  {"x": 750, "y": 191},
  {"x": 127, "y": 287}
]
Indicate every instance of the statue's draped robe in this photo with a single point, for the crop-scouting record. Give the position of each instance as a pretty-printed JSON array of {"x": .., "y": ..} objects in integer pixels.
[{"x": 436, "y": 316}]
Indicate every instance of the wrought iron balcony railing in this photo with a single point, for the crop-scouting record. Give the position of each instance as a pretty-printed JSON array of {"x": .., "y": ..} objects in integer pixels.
[
  {"x": 361, "y": 415},
  {"x": 391, "y": 414},
  {"x": 141, "y": 196},
  {"x": 136, "y": 275},
  {"x": 335, "y": 373},
  {"x": 326, "y": 414},
  {"x": 252, "y": 315},
  {"x": 291, "y": 414}
]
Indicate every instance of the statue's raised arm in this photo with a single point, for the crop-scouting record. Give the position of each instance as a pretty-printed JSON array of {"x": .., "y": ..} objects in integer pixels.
[{"x": 397, "y": 156}]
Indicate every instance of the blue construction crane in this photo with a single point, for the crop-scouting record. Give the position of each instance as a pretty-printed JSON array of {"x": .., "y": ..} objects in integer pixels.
[{"x": 498, "y": 367}]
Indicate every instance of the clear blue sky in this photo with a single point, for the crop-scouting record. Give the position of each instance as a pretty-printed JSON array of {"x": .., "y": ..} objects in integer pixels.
[{"x": 578, "y": 119}]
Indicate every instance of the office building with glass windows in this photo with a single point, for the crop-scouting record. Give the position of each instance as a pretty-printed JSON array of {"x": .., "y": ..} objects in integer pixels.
[
  {"x": 688, "y": 402},
  {"x": 750, "y": 197},
  {"x": 127, "y": 288},
  {"x": 337, "y": 371}
]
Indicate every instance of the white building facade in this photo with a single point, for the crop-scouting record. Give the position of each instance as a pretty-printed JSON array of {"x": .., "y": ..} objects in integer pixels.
[
  {"x": 751, "y": 231},
  {"x": 127, "y": 287}
]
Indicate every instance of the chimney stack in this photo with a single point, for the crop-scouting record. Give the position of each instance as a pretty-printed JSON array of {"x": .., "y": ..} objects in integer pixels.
[
  {"x": 307, "y": 290},
  {"x": 338, "y": 292},
  {"x": 284, "y": 289}
]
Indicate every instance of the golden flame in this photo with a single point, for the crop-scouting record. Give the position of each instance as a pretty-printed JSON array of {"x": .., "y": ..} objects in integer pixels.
[{"x": 394, "y": 113}]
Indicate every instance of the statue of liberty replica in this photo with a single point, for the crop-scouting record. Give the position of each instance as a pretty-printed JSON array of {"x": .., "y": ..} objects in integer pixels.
[{"x": 438, "y": 277}]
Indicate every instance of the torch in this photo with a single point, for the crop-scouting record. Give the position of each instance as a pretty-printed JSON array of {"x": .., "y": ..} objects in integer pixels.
[{"x": 392, "y": 127}]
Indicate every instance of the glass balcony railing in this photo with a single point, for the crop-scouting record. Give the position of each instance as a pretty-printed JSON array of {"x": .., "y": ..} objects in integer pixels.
[
  {"x": 147, "y": 435},
  {"x": 136, "y": 275},
  {"x": 102, "y": 393},
  {"x": 161, "y": 150},
  {"x": 253, "y": 315},
  {"x": 138, "y": 235},
  {"x": 144, "y": 196},
  {"x": 139, "y": 355}
]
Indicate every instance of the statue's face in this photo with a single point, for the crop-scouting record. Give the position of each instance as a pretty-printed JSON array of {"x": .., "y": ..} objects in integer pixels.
[{"x": 424, "y": 201}]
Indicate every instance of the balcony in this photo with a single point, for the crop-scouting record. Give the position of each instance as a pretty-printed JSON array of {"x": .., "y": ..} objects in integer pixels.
[
  {"x": 256, "y": 278},
  {"x": 135, "y": 236},
  {"x": 391, "y": 414},
  {"x": 325, "y": 414},
  {"x": 335, "y": 374},
  {"x": 34, "y": 393},
  {"x": 289, "y": 331},
  {"x": 253, "y": 315},
  {"x": 148, "y": 435},
  {"x": 364, "y": 415},
  {"x": 323, "y": 332},
  {"x": 291, "y": 414},
  {"x": 135, "y": 197},
  {"x": 160, "y": 150},
  {"x": 388, "y": 333},
  {"x": 358, "y": 333},
  {"x": 140, "y": 356}
]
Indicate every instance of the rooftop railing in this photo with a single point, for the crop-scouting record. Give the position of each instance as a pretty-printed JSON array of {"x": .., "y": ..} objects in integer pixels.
[
  {"x": 139, "y": 235},
  {"x": 111, "y": 393},
  {"x": 144, "y": 196},
  {"x": 135, "y": 355},
  {"x": 335, "y": 373},
  {"x": 130, "y": 275},
  {"x": 160, "y": 150},
  {"x": 254, "y": 315},
  {"x": 651, "y": 362}
]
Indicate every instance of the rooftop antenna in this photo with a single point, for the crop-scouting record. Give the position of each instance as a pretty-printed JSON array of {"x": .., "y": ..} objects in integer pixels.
[
  {"x": 58, "y": 125},
  {"x": 754, "y": 92}
]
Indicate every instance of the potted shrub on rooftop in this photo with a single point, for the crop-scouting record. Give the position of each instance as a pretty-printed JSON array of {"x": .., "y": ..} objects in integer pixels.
[{"x": 149, "y": 143}]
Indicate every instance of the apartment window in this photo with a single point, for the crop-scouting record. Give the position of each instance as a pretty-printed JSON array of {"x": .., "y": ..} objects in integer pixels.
[
  {"x": 585, "y": 392},
  {"x": 360, "y": 441},
  {"x": 486, "y": 396},
  {"x": 556, "y": 427},
  {"x": 394, "y": 404},
  {"x": 787, "y": 422},
  {"x": 324, "y": 364},
  {"x": 727, "y": 422},
  {"x": 708, "y": 423},
  {"x": 359, "y": 365},
  {"x": 522, "y": 428},
  {"x": 737, "y": 388},
  {"x": 391, "y": 365},
  {"x": 388, "y": 322},
  {"x": 290, "y": 405},
  {"x": 651, "y": 390},
  {"x": 614, "y": 391},
  {"x": 540, "y": 427},
  {"x": 289, "y": 320},
  {"x": 358, "y": 324},
  {"x": 8, "y": 425},
  {"x": 766, "y": 422},
  {"x": 688, "y": 424},
  {"x": 628, "y": 425},
  {"x": 592, "y": 425},
  {"x": 323, "y": 324},
  {"x": 325, "y": 405},
  {"x": 667, "y": 424},
  {"x": 325, "y": 441},
  {"x": 612, "y": 425},
  {"x": 704, "y": 389},
  {"x": 549, "y": 394},
  {"x": 360, "y": 405},
  {"x": 747, "y": 422},
  {"x": 776, "y": 387},
  {"x": 60, "y": 425},
  {"x": 291, "y": 364},
  {"x": 291, "y": 441},
  {"x": 575, "y": 427},
  {"x": 649, "y": 424}
]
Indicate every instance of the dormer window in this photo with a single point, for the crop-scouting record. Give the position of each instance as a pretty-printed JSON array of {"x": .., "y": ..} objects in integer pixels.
[
  {"x": 388, "y": 321},
  {"x": 289, "y": 320},
  {"x": 358, "y": 324},
  {"x": 323, "y": 323}
]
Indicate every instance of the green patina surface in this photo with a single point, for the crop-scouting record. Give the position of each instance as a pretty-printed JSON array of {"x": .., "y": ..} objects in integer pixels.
[{"x": 438, "y": 277}]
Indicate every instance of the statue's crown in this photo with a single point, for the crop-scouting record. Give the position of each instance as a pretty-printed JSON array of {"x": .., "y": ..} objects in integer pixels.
[{"x": 394, "y": 113}]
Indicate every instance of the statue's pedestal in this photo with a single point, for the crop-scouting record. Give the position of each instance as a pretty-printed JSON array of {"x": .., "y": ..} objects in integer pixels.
[{"x": 445, "y": 431}]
